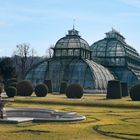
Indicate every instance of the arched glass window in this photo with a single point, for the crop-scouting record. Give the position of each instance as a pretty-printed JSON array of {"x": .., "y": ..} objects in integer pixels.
[
  {"x": 58, "y": 52},
  {"x": 64, "y": 53},
  {"x": 76, "y": 52},
  {"x": 70, "y": 52}
]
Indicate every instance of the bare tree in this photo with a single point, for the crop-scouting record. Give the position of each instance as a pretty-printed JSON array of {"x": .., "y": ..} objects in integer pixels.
[
  {"x": 24, "y": 58},
  {"x": 49, "y": 52}
]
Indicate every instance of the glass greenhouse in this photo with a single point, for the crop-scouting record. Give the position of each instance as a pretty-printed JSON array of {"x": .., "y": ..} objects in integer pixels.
[
  {"x": 71, "y": 63},
  {"x": 120, "y": 58}
]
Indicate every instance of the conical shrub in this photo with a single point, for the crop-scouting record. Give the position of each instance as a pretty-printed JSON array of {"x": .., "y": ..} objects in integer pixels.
[
  {"x": 10, "y": 82},
  {"x": 114, "y": 89},
  {"x": 13, "y": 84}
]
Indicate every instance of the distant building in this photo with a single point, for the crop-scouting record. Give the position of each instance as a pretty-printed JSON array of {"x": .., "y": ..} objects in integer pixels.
[
  {"x": 72, "y": 63},
  {"x": 116, "y": 55}
]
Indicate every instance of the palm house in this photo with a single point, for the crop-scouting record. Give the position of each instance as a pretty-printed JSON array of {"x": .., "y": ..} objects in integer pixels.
[
  {"x": 72, "y": 62},
  {"x": 122, "y": 60}
]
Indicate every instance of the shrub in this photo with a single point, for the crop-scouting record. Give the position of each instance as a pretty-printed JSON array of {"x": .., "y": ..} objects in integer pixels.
[
  {"x": 11, "y": 91},
  {"x": 63, "y": 87},
  {"x": 74, "y": 91},
  {"x": 124, "y": 88},
  {"x": 13, "y": 84},
  {"x": 24, "y": 88},
  {"x": 5, "y": 87},
  {"x": 12, "y": 80},
  {"x": 114, "y": 89},
  {"x": 41, "y": 90},
  {"x": 1, "y": 89},
  {"x": 135, "y": 93},
  {"x": 49, "y": 85}
]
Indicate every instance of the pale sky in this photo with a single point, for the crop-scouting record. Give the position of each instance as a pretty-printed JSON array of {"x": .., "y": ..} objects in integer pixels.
[{"x": 42, "y": 22}]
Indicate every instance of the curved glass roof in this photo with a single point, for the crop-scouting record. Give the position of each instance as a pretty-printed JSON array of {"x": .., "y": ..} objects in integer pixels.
[
  {"x": 108, "y": 48},
  {"x": 114, "y": 45},
  {"x": 87, "y": 73},
  {"x": 114, "y": 53},
  {"x": 72, "y": 40},
  {"x": 38, "y": 72},
  {"x": 101, "y": 74}
]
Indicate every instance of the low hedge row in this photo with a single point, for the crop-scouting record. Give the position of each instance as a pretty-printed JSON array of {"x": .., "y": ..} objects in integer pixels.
[{"x": 115, "y": 89}]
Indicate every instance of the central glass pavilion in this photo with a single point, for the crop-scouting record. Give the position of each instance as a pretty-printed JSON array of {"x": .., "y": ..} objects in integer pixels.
[{"x": 71, "y": 62}]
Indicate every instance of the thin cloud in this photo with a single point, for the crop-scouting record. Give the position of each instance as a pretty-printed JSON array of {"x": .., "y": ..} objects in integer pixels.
[
  {"x": 134, "y": 3},
  {"x": 130, "y": 14},
  {"x": 3, "y": 24}
]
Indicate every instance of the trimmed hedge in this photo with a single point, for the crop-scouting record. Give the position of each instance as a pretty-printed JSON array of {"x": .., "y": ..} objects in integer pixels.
[
  {"x": 49, "y": 85},
  {"x": 41, "y": 90},
  {"x": 135, "y": 93},
  {"x": 13, "y": 84},
  {"x": 24, "y": 88},
  {"x": 12, "y": 80},
  {"x": 124, "y": 88},
  {"x": 114, "y": 90},
  {"x": 74, "y": 91},
  {"x": 63, "y": 88},
  {"x": 11, "y": 91}
]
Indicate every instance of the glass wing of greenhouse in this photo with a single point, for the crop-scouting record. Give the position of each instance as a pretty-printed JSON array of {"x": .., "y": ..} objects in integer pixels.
[{"x": 119, "y": 57}]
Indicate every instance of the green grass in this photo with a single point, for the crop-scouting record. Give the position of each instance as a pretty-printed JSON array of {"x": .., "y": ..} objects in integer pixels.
[{"x": 105, "y": 119}]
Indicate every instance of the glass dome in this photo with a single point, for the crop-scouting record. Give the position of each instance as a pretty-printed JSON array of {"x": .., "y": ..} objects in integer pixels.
[
  {"x": 72, "y": 40},
  {"x": 109, "y": 52},
  {"x": 72, "y": 45}
]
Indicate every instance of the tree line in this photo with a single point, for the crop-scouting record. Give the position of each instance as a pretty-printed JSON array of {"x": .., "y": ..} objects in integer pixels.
[{"x": 24, "y": 57}]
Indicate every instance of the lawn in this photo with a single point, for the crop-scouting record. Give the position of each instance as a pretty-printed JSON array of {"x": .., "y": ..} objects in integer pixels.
[{"x": 105, "y": 119}]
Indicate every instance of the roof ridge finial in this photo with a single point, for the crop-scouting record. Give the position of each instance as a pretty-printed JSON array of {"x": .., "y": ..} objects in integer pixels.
[
  {"x": 113, "y": 29},
  {"x": 73, "y": 24}
]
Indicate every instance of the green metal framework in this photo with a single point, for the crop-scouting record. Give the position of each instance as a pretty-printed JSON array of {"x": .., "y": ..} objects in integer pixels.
[
  {"x": 72, "y": 45},
  {"x": 71, "y": 63},
  {"x": 115, "y": 54}
]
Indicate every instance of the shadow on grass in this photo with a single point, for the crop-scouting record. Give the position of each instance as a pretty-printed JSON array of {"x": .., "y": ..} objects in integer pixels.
[{"x": 124, "y": 136}]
